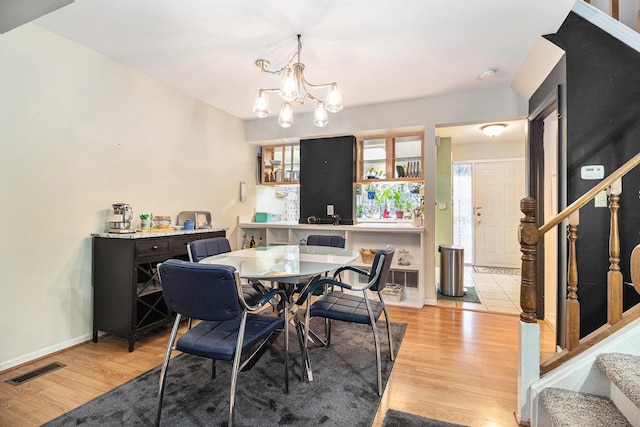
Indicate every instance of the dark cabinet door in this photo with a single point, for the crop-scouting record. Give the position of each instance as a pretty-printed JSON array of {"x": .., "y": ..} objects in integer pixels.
[{"x": 327, "y": 176}]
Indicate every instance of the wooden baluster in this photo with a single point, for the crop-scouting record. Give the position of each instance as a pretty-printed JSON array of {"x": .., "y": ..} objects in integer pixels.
[
  {"x": 614, "y": 9},
  {"x": 614, "y": 276},
  {"x": 573, "y": 305},
  {"x": 528, "y": 237}
]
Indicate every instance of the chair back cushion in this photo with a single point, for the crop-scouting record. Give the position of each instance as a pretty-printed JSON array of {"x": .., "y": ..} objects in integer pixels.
[
  {"x": 385, "y": 256},
  {"x": 201, "y": 249},
  {"x": 200, "y": 291},
  {"x": 317, "y": 240}
]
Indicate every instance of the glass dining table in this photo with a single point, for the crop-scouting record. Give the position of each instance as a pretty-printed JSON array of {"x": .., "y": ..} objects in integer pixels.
[
  {"x": 284, "y": 263},
  {"x": 290, "y": 264}
]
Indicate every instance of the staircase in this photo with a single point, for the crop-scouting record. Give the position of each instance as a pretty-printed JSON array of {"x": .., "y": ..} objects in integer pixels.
[
  {"x": 622, "y": 407},
  {"x": 598, "y": 387}
]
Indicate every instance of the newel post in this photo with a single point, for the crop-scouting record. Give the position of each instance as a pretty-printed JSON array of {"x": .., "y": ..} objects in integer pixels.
[{"x": 528, "y": 237}]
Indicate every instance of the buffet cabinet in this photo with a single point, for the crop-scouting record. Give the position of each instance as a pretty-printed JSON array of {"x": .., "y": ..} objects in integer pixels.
[{"x": 127, "y": 294}]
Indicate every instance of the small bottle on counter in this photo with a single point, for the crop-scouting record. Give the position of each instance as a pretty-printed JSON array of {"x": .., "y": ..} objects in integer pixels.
[
  {"x": 245, "y": 242},
  {"x": 260, "y": 243},
  {"x": 252, "y": 244}
]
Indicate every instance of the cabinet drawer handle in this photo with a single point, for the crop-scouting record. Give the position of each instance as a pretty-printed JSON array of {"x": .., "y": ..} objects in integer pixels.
[{"x": 155, "y": 247}]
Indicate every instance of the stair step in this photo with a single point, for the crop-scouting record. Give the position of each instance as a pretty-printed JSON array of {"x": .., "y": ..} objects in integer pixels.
[
  {"x": 570, "y": 408},
  {"x": 623, "y": 370}
]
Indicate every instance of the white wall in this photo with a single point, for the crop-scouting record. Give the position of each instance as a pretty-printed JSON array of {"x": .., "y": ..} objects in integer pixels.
[
  {"x": 488, "y": 151},
  {"x": 425, "y": 113},
  {"x": 79, "y": 132}
]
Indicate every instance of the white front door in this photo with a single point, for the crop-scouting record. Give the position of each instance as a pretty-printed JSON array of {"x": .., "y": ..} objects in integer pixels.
[{"x": 498, "y": 188}]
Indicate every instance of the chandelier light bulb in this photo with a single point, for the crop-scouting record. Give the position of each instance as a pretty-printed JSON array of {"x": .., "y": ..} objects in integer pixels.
[
  {"x": 334, "y": 99},
  {"x": 320, "y": 116},
  {"x": 286, "y": 115},
  {"x": 261, "y": 106},
  {"x": 289, "y": 86}
]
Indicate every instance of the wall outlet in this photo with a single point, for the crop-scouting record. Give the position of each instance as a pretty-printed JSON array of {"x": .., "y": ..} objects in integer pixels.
[
  {"x": 329, "y": 210},
  {"x": 600, "y": 201}
]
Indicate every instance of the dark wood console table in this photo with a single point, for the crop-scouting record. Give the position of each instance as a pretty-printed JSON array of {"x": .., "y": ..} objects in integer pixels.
[{"x": 127, "y": 295}]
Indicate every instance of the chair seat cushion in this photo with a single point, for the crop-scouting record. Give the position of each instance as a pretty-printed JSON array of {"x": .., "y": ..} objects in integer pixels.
[
  {"x": 217, "y": 340},
  {"x": 346, "y": 307}
]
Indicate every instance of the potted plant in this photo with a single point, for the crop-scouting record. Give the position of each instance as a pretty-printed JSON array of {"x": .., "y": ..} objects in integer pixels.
[
  {"x": 399, "y": 201},
  {"x": 383, "y": 196},
  {"x": 371, "y": 191}
]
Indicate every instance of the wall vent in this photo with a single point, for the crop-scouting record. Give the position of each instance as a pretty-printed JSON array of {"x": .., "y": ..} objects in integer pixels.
[{"x": 35, "y": 373}]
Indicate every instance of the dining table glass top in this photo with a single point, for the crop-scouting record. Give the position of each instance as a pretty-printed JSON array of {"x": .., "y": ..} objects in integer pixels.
[{"x": 284, "y": 261}]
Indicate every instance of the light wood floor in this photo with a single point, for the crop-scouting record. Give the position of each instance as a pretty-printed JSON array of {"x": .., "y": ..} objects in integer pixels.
[{"x": 454, "y": 365}]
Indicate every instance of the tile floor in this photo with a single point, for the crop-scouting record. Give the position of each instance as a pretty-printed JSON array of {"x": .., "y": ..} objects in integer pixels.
[{"x": 499, "y": 293}]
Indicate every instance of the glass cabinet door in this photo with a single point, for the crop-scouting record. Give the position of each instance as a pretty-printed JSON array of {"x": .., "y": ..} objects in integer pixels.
[
  {"x": 373, "y": 155},
  {"x": 392, "y": 158},
  {"x": 281, "y": 164},
  {"x": 407, "y": 159}
]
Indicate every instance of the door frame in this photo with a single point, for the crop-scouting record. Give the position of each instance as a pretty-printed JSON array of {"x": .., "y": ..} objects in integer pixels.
[{"x": 553, "y": 101}]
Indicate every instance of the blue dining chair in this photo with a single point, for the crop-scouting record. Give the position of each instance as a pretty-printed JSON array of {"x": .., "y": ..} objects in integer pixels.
[
  {"x": 319, "y": 240},
  {"x": 229, "y": 328},
  {"x": 351, "y": 307},
  {"x": 200, "y": 249}
]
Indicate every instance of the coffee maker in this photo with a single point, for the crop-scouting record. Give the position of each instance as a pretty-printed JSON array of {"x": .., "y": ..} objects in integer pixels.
[{"x": 120, "y": 219}]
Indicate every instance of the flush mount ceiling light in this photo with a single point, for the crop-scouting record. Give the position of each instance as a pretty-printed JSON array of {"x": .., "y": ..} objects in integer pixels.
[
  {"x": 488, "y": 74},
  {"x": 493, "y": 130},
  {"x": 294, "y": 89}
]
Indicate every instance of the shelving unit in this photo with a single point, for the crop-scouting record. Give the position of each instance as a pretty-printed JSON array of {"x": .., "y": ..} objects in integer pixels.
[
  {"x": 280, "y": 164},
  {"x": 356, "y": 236},
  {"x": 390, "y": 158}
]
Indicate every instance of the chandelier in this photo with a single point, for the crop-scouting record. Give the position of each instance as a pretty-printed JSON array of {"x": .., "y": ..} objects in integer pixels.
[{"x": 294, "y": 89}]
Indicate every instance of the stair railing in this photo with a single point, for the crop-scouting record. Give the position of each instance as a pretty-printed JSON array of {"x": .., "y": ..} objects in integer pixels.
[
  {"x": 530, "y": 235},
  {"x": 614, "y": 11}
]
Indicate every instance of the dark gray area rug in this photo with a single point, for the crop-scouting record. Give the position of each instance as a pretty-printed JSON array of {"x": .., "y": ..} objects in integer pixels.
[
  {"x": 470, "y": 295},
  {"x": 395, "y": 418},
  {"x": 342, "y": 393}
]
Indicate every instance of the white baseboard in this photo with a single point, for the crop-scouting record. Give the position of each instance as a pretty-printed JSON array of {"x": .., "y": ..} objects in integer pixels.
[{"x": 26, "y": 358}]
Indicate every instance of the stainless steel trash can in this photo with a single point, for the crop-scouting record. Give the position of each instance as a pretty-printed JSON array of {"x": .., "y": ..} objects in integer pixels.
[{"x": 451, "y": 270}]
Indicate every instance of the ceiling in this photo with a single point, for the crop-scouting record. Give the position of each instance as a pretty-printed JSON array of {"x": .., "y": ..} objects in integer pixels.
[
  {"x": 514, "y": 131},
  {"x": 376, "y": 50}
]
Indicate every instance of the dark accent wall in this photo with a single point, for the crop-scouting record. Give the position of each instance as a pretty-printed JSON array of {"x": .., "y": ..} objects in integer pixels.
[
  {"x": 603, "y": 128},
  {"x": 327, "y": 175}
]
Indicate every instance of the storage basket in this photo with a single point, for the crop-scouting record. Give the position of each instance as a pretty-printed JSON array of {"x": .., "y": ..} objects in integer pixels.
[
  {"x": 392, "y": 293},
  {"x": 367, "y": 255}
]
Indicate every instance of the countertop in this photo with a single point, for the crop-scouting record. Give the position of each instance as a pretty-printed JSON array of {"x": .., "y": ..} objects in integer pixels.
[
  {"x": 398, "y": 227},
  {"x": 147, "y": 234}
]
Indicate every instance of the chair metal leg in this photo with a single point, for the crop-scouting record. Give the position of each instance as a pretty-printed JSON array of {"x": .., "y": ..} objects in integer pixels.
[
  {"x": 376, "y": 341},
  {"x": 165, "y": 365},
  {"x": 300, "y": 332},
  {"x": 286, "y": 349},
  {"x": 309, "y": 372},
  {"x": 236, "y": 366},
  {"x": 386, "y": 319}
]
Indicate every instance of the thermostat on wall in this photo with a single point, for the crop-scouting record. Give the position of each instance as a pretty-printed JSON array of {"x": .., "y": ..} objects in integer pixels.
[{"x": 592, "y": 172}]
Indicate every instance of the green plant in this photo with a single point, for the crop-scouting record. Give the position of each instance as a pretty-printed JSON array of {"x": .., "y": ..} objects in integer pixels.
[
  {"x": 146, "y": 216},
  {"x": 399, "y": 200},
  {"x": 384, "y": 195}
]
